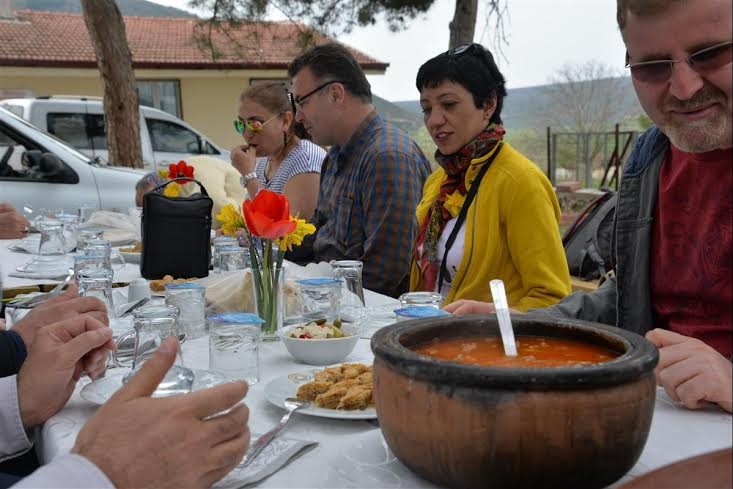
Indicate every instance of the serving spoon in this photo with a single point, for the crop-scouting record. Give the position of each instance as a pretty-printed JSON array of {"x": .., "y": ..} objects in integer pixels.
[{"x": 502, "y": 314}]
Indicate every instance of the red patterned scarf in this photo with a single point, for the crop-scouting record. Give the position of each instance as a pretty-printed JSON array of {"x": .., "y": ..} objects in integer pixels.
[{"x": 455, "y": 166}]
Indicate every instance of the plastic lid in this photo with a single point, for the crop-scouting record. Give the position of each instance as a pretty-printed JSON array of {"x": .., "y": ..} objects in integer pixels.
[
  {"x": 420, "y": 312},
  {"x": 236, "y": 318},
  {"x": 184, "y": 285},
  {"x": 319, "y": 281}
]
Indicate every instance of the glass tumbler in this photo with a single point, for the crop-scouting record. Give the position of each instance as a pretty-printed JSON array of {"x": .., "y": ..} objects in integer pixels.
[
  {"x": 84, "y": 235},
  {"x": 431, "y": 299},
  {"x": 234, "y": 340},
  {"x": 232, "y": 258},
  {"x": 220, "y": 242},
  {"x": 85, "y": 211},
  {"x": 83, "y": 261},
  {"x": 321, "y": 298},
  {"x": 52, "y": 242},
  {"x": 190, "y": 299},
  {"x": 70, "y": 223},
  {"x": 103, "y": 247},
  {"x": 97, "y": 282}
]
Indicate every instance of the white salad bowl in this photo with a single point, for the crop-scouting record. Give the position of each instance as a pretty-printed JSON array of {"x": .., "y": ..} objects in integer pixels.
[{"x": 321, "y": 352}]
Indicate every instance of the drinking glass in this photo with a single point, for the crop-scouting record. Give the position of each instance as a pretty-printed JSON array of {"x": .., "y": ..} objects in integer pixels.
[
  {"x": 350, "y": 272},
  {"x": 97, "y": 282},
  {"x": 83, "y": 261},
  {"x": 70, "y": 224},
  {"x": 234, "y": 345},
  {"x": 220, "y": 242},
  {"x": 51, "y": 214},
  {"x": 52, "y": 238},
  {"x": 190, "y": 299},
  {"x": 103, "y": 247},
  {"x": 87, "y": 234},
  {"x": 321, "y": 298},
  {"x": 431, "y": 299},
  {"x": 232, "y": 258},
  {"x": 85, "y": 211}
]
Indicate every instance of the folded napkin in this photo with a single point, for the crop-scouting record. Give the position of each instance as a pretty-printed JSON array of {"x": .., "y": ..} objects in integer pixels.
[
  {"x": 119, "y": 228},
  {"x": 272, "y": 458},
  {"x": 45, "y": 274}
]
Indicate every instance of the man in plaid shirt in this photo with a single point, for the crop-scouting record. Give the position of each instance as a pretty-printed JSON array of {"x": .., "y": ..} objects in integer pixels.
[{"x": 372, "y": 177}]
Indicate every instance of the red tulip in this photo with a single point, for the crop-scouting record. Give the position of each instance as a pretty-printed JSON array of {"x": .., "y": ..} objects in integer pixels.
[
  {"x": 180, "y": 170},
  {"x": 268, "y": 215}
]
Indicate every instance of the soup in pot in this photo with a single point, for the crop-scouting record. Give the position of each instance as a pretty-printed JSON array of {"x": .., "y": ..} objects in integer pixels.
[{"x": 532, "y": 351}]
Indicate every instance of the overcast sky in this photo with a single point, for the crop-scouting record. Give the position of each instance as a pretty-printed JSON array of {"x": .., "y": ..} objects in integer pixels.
[{"x": 543, "y": 36}]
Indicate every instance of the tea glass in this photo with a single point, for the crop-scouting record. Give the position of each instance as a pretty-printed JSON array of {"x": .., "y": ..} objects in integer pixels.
[
  {"x": 430, "y": 299},
  {"x": 97, "y": 282},
  {"x": 83, "y": 261},
  {"x": 234, "y": 339},
  {"x": 190, "y": 299},
  {"x": 232, "y": 258},
  {"x": 85, "y": 235},
  {"x": 52, "y": 241},
  {"x": 321, "y": 298}
]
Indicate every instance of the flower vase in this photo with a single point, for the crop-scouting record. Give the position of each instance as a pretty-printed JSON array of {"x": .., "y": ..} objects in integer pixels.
[{"x": 269, "y": 293}]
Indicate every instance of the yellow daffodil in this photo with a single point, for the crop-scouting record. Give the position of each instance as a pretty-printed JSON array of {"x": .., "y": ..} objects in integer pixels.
[
  {"x": 230, "y": 219},
  {"x": 454, "y": 202},
  {"x": 172, "y": 190},
  {"x": 295, "y": 238},
  {"x": 163, "y": 174}
]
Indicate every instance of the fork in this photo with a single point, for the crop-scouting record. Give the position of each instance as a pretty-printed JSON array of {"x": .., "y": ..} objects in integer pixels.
[
  {"x": 291, "y": 404},
  {"x": 33, "y": 301}
]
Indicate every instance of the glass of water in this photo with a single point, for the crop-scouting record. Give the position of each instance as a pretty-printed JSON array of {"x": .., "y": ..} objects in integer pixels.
[
  {"x": 430, "y": 299},
  {"x": 321, "y": 298},
  {"x": 52, "y": 242},
  {"x": 234, "y": 339},
  {"x": 85, "y": 235},
  {"x": 103, "y": 247},
  {"x": 97, "y": 282},
  {"x": 219, "y": 243},
  {"x": 232, "y": 258},
  {"x": 190, "y": 299}
]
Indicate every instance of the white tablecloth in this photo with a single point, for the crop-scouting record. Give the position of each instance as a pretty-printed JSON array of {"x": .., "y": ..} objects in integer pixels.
[{"x": 354, "y": 453}]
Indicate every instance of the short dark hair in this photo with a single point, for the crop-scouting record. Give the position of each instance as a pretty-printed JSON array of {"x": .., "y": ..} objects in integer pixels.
[
  {"x": 473, "y": 68},
  {"x": 334, "y": 61}
]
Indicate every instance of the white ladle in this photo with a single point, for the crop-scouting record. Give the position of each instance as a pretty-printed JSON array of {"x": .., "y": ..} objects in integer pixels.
[{"x": 502, "y": 314}]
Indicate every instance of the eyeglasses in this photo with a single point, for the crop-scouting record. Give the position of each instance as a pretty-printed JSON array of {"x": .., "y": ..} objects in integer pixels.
[
  {"x": 705, "y": 60},
  {"x": 251, "y": 125},
  {"x": 298, "y": 102}
]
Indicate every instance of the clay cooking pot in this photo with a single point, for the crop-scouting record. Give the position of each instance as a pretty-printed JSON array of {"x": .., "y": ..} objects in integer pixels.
[{"x": 469, "y": 426}]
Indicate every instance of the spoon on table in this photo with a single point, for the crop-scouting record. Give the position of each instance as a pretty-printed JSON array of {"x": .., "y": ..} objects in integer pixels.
[{"x": 502, "y": 314}]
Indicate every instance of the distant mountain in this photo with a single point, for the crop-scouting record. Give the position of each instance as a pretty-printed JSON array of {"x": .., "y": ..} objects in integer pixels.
[
  {"x": 523, "y": 107},
  {"x": 127, "y": 7},
  {"x": 404, "y": 119}
]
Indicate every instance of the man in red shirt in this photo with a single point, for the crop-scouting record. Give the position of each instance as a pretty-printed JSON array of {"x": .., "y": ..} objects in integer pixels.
[{"x": 674, "y": 217}]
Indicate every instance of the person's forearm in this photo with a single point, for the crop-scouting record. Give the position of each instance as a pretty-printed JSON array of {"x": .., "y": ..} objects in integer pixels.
[{"x": 13, "y": 438}]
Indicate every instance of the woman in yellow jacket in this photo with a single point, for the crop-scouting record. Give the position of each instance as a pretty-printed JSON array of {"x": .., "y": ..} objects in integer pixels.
[{"x": 509, "y": 227}]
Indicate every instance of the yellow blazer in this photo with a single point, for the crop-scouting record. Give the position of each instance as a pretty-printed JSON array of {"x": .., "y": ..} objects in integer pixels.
[{"x": 512, "y": 234}]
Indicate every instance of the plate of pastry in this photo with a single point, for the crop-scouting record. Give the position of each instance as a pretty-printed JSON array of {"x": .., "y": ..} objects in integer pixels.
[{"x": 343, "y": 391}]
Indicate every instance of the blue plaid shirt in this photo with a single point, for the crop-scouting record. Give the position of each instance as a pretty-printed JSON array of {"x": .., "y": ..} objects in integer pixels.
[{"x": 370, "y": 188}]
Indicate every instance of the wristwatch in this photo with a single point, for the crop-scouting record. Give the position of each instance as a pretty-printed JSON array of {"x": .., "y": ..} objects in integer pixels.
[{"x": 244, "y": 179}]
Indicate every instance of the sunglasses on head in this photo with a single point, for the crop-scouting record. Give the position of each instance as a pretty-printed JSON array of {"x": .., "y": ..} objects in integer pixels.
[
  {"x": 251, "y": 125},
  {"x": 473, "y": 47},
  {"x": 703, "y": 61}
]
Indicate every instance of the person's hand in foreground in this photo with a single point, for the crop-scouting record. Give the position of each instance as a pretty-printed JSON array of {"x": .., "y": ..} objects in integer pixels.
[
  {"x": 692, "y": 372},
  {"x": 66, "y": 305},
  {"x": 463, "y": 307},
  {"x": 60, "y": 354},
  {"x": 13, "y": 224},
  {"x": 139, "y": 441}
]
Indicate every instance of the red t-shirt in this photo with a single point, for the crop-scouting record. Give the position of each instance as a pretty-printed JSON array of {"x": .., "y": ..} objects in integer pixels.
[{"x": 692, "y": 247}]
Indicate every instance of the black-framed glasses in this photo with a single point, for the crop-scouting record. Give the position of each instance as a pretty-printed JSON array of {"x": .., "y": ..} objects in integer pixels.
[
  {"x": 703, "y": 61},
  {"x": 298, "y": 102}
]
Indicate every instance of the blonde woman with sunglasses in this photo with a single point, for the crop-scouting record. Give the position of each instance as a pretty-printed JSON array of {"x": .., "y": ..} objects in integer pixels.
[{"x": 274, "y": 155}]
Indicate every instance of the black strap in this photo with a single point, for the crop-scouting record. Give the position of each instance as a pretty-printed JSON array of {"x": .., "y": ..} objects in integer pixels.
[
  {"x": 201, "y": 186},
  {"x": 462, "y": 215}
]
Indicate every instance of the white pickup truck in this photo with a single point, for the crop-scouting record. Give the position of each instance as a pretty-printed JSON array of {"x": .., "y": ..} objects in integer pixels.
[{"x": 41, "y": 171}]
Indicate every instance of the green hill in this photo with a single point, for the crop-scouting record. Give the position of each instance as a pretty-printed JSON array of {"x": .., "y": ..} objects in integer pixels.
[{"x": 127, "y": 7}]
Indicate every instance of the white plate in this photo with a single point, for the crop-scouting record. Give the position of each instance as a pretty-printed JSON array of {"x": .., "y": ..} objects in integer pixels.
[
  {"x": 99, "y": 391},
  {"x": 277, "y": 390},
  {"x": 130, "y": 257}
]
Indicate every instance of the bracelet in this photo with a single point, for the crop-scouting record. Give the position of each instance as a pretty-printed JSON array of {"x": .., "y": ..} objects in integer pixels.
[{"x": 245, "y": 179}]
